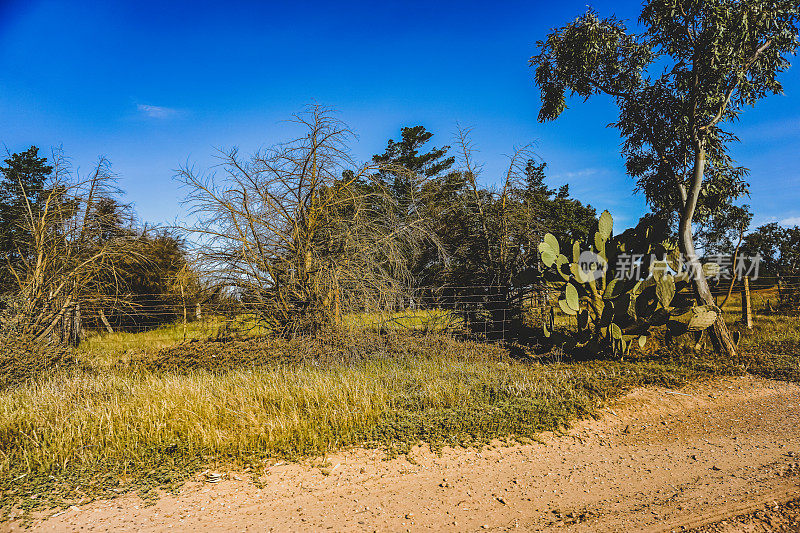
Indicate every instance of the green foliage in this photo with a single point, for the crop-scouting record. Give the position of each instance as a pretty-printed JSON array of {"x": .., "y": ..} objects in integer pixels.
[
  {"x": 613, "y": 308},
  {"x": 147, "y": 278},
  {"x": 718, "y": 55},
  {"x": 151, "y": 278},
  {"x": 778, "y": 247},
  {"x": 491, "y": 236},
  {"x": 405, "y": 168},
  {"x": 564, "y": 216},
  {"x": 485, "y": 236},
  {"x": 23, "y": 187},
  {"x": 720, "y": 233}
]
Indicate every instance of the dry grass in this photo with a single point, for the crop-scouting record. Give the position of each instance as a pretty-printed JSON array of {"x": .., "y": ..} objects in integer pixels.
[
  {"x": 136, "y": 415},
  {"x": 104, "y": 349}
]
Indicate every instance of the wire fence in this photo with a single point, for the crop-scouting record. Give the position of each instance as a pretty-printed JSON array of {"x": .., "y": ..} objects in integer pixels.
[
  {"x": 768, "y": 295},
  {"x": 489, "y": 312},
  {"x": 486, "y": 311}
]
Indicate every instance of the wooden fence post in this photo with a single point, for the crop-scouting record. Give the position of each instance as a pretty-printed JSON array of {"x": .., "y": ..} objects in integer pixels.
[
  {"x": 747, "y": 310},
  {"x": 104, "y": 320},
  {"x": 183, "y": 301}
]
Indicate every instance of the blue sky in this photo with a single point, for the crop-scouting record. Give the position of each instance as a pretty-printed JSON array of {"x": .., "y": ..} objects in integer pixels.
[{"x": 152, "y": 85}]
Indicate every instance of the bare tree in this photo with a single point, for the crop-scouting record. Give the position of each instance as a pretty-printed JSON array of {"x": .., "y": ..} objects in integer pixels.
[
  {"x": 300, "y": 231},
  {"x": 62, "y": 267},
  {"x": 501, "y": 212}
]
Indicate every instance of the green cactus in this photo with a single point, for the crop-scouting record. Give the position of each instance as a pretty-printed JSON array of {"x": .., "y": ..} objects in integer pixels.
[{"x": 612, "y": 311}]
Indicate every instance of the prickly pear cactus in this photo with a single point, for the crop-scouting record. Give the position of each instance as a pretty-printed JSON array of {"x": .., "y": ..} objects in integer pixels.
[{"x": 619, "y": 288}]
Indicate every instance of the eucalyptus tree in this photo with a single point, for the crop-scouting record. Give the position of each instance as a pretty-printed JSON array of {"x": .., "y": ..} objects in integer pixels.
[{"x": 679, "y": 82}]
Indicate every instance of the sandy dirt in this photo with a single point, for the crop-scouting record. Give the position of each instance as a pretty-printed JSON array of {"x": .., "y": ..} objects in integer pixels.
[
  {"x": 772, "y": 516},
  {"x": 718, "y": 456}
]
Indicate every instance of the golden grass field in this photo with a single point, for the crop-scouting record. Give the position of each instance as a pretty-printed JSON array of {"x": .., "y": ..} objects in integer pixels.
[{"x": 146, "y": 409}]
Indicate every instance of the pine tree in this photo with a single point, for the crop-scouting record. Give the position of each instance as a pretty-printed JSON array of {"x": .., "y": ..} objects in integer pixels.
[
  {"x": 406, "y": 184},
  {"x": 23, "y": 190}
]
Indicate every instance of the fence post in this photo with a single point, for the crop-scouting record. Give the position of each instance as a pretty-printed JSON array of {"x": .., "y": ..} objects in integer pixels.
[
  {"x": 183, "y": 301},
  {"x": 105, "y": 321},
  {"x": 747, "y": 310}
]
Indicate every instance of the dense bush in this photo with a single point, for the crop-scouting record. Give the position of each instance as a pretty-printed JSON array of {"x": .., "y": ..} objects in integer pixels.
[{"x": 22, "y": 358}]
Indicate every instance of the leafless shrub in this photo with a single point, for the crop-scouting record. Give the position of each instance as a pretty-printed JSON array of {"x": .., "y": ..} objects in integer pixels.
[
  {"x": 301, "y": 232},
  {"x": 65, "y": 265},
  {"x": 506, "y": 225}
]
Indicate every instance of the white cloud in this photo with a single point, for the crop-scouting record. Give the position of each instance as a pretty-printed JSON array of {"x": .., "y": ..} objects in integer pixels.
[
  {"x": 791, "y": 221},
  {"x": 584, "y": 173},
  {"x": 154, "y": 111}
]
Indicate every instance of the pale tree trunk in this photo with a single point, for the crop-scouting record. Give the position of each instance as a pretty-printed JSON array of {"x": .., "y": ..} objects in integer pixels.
[
  {"x": 78, "y": 331},
  {"x": 720, "y": 336},
  {"x": 183, "y": 302}
]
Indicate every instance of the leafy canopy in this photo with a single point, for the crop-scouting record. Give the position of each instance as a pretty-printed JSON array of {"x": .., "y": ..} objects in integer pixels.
[
  {"x": 415, "y": 164},
  {"x": 23, "y": 186},
  {"x": 692, "y": 69}
]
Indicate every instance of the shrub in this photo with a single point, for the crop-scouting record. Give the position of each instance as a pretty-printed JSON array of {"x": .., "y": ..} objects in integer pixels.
[
  {"x": 22, "y": 358},
  {"x": 323, "y": 349}
]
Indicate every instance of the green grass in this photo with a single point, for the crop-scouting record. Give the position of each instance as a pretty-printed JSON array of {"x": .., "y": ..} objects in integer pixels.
[
  {"x": 135, "y": 415},
  {"x": 102, "y": 349}
]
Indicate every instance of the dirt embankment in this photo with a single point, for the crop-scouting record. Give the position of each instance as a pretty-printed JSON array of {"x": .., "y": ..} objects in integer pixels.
[{"x": 657, "y": 460}]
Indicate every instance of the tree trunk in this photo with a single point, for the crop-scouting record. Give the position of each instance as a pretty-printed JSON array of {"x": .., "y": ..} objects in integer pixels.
[
  {"x": 183, "y": 301},
  {"x": 78, "y": 325},
  {"x": 733, "y": 277},
  {"x": 71, "y": 326},
  {"x": 720, "y": 336}
]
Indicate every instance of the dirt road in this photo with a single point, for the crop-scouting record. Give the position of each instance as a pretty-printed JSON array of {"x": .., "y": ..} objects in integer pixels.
[{"x": 657, "y": 460}]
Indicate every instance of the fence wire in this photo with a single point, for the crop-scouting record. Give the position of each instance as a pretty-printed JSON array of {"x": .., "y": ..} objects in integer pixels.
[{"x": 488, "y": 312}]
